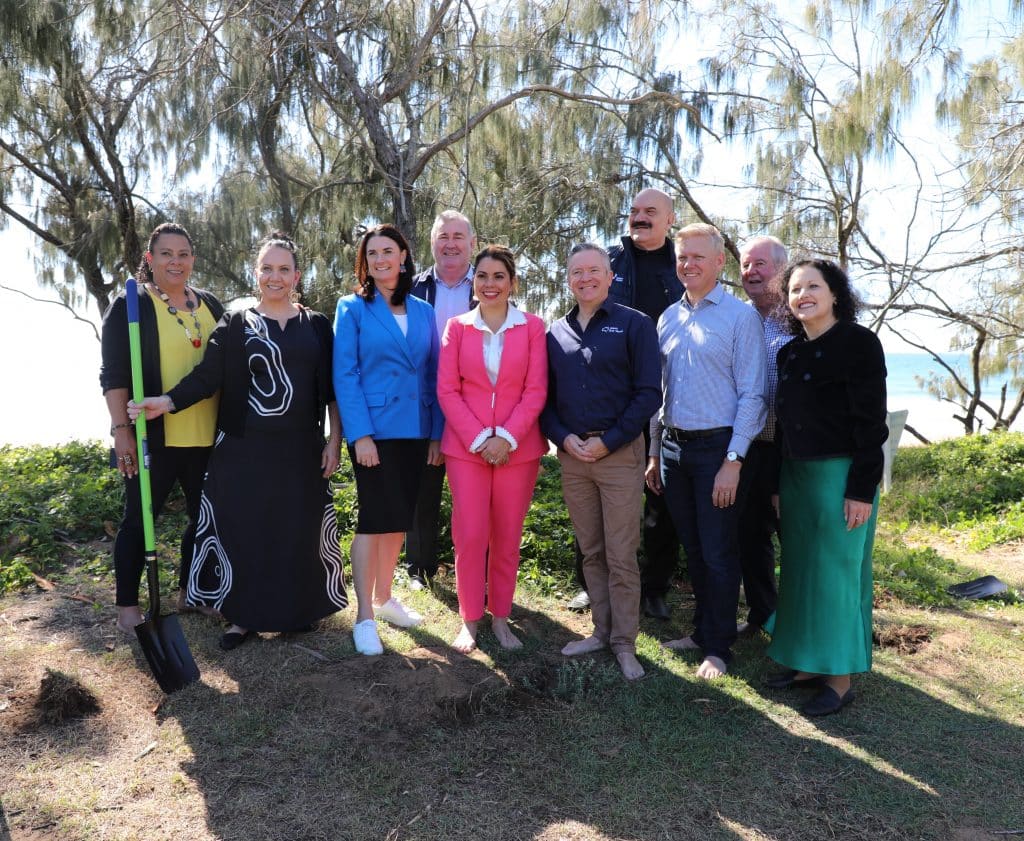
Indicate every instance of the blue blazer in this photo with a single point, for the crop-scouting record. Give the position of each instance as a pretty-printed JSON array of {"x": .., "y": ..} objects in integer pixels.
[{"x": 386, "y": 382}]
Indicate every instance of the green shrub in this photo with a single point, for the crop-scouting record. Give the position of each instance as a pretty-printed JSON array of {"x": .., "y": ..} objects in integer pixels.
[
  {"x": 547, "y": 559},
  {"x": 54, "y": 495},
  {"x": 958, "y": 482}
]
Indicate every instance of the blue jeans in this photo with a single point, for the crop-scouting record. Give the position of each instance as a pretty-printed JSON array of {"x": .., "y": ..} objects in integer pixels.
[{"x": 708, "y": 535}]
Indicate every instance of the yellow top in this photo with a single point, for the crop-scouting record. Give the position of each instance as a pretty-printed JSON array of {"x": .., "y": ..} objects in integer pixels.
[{"x": 196, "y": 425}]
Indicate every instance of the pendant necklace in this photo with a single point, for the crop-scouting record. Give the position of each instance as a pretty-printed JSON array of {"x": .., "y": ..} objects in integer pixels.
[{"x": 197, "y": 340}]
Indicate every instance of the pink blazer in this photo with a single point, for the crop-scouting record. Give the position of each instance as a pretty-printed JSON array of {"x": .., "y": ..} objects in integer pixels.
[{"x": 471, "y": 404}]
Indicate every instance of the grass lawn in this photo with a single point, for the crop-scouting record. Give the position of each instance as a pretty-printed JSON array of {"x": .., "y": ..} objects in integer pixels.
[{"x": 297, "y": 737}]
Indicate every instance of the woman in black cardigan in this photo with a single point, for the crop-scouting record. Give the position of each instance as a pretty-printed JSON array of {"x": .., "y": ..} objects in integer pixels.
[
  {"x": 175, "y": 322},
  {"x": 831, "y": 426},
  {"x": 267, "y": 554}
]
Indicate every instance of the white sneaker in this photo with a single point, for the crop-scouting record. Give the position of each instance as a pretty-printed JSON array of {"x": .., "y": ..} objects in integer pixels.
[
  {"x": 396, "y": 613},
  {"x": 364, "y": 634}
]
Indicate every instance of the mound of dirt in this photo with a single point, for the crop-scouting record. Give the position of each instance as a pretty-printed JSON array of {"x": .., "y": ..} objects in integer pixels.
[
  {"x": 62, "y": 698},
  {"x": 441, "y": 685},
  {"x": 906, "y": 639}
]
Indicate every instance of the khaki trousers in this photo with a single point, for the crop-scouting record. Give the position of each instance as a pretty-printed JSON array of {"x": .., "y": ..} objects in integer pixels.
[{"x": 605, "y": 501}]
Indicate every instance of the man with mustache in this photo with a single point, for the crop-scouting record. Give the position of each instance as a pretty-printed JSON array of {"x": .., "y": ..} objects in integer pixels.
[
  {"x": 644, "y": 269},
  {"x": 761, "y": 259}
]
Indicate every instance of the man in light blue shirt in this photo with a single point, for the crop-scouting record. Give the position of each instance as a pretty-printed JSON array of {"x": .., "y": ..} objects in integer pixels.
[{"x": 713, "y": 376}]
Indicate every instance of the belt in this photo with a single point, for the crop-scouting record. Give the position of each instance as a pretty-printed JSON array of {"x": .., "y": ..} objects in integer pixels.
[
  {"x": 594, "y": 433},
  {"x": 692, "y": 434}
]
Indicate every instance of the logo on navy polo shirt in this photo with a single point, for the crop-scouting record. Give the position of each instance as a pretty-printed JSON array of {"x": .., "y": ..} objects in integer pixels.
[
  {"x": 612, "y": 329},
  {"x": 618, "y": 279}
]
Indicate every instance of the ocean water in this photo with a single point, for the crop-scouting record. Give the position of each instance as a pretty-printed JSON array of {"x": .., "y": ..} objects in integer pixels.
[{"x": 933, "y": 418}]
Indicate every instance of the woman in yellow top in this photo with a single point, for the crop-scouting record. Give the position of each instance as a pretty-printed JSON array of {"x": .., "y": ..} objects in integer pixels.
[{"x": 175, "y": 321}]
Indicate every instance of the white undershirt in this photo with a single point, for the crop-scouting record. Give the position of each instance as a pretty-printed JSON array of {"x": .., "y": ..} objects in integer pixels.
[
  {"x": 494, "y": 342},
  {"x": 403, "y": 322}
]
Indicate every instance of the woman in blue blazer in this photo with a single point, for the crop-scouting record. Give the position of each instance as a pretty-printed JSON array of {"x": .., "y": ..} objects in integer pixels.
[{"x": 385, "y": 380}]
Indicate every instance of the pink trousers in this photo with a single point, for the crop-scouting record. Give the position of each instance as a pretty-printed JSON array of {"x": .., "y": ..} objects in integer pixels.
[{"x": 489, "y": 505}]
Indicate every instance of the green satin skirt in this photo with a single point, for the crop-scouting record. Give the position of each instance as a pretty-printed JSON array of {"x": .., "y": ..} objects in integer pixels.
[{"x": 822, "y": 623}]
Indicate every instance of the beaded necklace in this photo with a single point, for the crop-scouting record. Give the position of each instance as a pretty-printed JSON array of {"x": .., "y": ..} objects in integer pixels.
[{"x": 197, "y": 340}]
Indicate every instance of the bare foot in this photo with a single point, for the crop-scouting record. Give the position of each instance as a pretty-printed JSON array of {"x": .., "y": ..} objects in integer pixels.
[
  {"x": 712, "y": 667},
  {"x": 466, "y": 640},
  {"x": 631, "y": 668},
  {"x": 504, "y": 634},
  {"x": 591, "y": 643},
  {"x": 682, "y": 644},
  {"x": 128, "y": 618}
]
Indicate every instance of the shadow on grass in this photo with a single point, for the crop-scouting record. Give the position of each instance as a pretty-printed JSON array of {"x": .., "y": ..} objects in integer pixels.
[{"x": 431, "y": 744}]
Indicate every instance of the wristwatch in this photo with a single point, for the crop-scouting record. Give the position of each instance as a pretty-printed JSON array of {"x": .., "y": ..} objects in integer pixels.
[{"x": 732, "y": 455}]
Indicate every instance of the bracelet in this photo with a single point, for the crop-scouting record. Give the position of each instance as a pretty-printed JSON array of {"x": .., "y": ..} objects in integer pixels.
[
  {"x": 170, "y": 403},
  {"x": 117, "y": 426}
]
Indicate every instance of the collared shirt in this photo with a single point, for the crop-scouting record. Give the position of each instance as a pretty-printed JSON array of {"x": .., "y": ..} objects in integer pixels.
[
  {"x": 494, "y": 340},
  {"x": 450, "y": 301},
  {"x": 714, "y": 366},
  {"x": 607, "y": 377},
  {"x": 775, "y": 336}
]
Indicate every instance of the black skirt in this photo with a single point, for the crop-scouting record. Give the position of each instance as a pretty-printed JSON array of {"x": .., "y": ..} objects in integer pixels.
[{"x": 387, "y": 493}]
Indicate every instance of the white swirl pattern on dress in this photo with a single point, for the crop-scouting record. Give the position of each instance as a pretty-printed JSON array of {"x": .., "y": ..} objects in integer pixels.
[
  {"x": 271, "y": 392},
  {"x": 330, "y": 557},
  {"x": 209, "y": 550}
]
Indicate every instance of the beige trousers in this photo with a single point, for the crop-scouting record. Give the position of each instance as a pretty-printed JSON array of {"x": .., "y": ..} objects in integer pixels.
[{"x": 605, "y": 501}]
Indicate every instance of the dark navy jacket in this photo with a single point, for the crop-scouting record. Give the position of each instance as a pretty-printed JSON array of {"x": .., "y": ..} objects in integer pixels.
[{"x": 625, "y": 282}]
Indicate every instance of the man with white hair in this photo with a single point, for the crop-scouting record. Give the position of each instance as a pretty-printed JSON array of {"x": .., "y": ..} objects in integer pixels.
[
  {"x": 761, "y": 259},
  {"x": 448, "y": 287}
]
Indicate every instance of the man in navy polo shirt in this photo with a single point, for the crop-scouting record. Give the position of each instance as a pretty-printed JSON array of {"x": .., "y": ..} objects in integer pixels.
[{"x": 604, "y": 384}]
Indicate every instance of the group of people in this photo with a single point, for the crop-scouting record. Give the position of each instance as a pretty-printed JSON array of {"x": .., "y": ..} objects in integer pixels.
[{"x": 681, "y": 415}]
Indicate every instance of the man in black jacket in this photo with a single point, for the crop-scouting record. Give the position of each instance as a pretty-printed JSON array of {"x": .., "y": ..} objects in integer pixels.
[
  {"x": 448, "y": 287},
  {"x": 644, "y": 268}
]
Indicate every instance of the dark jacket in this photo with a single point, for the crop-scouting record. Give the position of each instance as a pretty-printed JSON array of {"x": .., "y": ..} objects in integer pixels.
[
  {"x": 116, "y": 366},
  {"x": 625, "y": 282},
  {"x": 424, "y": 287},
  {"x": 831, "y": 403},
  {"x": 225, "y": 366}
]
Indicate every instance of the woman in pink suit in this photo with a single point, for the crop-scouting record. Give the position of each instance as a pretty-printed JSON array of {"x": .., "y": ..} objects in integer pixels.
[{"x": 492, "y": 383}]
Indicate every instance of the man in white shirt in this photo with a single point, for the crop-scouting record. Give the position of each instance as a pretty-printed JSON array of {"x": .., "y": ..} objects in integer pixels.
[{"x": 448, "y": 287}]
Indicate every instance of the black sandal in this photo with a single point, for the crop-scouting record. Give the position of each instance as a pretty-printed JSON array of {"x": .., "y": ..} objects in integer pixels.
[{"x": 232, "y": 639}]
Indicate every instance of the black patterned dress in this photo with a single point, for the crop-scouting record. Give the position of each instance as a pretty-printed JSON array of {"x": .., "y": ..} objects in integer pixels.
[{"x": 267, "y": 554}]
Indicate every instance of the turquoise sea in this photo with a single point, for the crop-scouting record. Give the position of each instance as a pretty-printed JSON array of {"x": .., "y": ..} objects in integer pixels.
[
  {"x": 931, "y": 417},
  {"x": 903, "y": 367}
]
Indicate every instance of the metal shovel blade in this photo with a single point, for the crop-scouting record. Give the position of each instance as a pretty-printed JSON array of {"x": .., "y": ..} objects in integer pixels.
[{"x": 167, "y": 652}]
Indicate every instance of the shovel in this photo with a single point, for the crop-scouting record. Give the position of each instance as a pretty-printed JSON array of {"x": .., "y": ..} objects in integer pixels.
[{"x": 161, "y": 637}]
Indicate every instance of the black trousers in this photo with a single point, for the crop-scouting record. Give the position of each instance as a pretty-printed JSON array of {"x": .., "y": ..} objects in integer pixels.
[
  {"x": 421, "y": 541},
  {"x": 167, "y": 465},
  {"x": 660, "y": 558},
  {"x": 757, "y": 524}
]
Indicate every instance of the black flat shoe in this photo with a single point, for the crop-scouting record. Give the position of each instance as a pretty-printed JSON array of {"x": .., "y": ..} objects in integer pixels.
[
  {"x": 827, "y": 702},
  {"x": 787, "y": 680},
  {"x": 232, "y": 639},
  {"x": 656, "y": 607}
]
